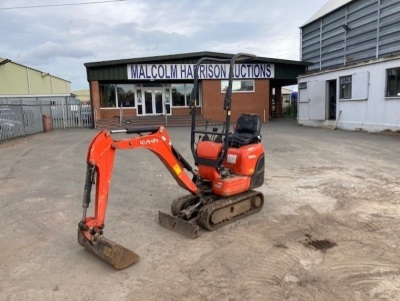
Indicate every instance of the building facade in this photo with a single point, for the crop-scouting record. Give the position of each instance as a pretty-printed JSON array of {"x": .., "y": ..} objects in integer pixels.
[
  {"x": 353, "y": 80},
  {"x": 82, "y": 95},
  {"x": 29, "y": 96},
  {"x": 162, "y": 85},
  {"x": 17, "y": 80}
]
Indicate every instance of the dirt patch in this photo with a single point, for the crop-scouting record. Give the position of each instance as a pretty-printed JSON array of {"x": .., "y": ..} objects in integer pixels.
[{"x": 319, "y": 244}]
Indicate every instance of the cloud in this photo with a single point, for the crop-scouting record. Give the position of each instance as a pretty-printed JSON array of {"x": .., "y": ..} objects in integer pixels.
[
  {"x": 60, "y": 40},
  {"x": 50, "y": 51}
]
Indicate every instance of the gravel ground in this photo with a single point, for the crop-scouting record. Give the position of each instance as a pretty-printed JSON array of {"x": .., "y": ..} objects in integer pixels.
[{"x": 329, "y": 229}]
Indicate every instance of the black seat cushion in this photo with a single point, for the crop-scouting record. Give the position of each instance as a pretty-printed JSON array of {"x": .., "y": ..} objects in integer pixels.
[{"x": 248, "y": 128}]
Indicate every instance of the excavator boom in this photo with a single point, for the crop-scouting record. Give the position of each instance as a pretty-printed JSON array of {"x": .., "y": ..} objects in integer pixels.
[{"x": 100, "y": 161}]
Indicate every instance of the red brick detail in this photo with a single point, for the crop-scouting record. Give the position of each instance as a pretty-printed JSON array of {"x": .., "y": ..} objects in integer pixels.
[
  {"x": 95, "y": 98},
  {"x": 106, "y": 113},
  {"x": 180, "y": 111},
  {"x": 278, "y": 101},
  {"x": 257, "y": 102}
]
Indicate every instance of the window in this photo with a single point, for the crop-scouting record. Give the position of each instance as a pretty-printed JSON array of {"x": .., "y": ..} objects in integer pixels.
[
  {"x": 181, "y": 94},
  {"x": 125, "y": 94},
  {"x": 188, "y": 91},
  {"x": 345, "y": 87},
  {"x": 178, "y": 95},
  {"x": 393, "y": 82},
  {"x": 303, "y": 85},
  {"x": 107, "y": 96},
  {"x": 238, "y": 86}
]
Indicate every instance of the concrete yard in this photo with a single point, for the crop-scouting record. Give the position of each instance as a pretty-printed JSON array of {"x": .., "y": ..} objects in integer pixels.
[{"x": 329, "y": 229}]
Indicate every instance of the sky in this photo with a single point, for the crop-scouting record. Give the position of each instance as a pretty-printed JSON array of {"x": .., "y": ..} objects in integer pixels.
[{"x": 60, "y": 39}]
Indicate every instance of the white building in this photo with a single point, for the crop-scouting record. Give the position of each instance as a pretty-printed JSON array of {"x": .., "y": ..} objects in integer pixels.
[{"x": 353, "y": 80}]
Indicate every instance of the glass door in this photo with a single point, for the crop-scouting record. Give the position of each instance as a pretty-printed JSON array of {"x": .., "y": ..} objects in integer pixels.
[
  {"x": 156, "y": 101},
  {"x": 159, "y": 103},
  {"x": 148, "y": 102},
  {"x": 153, "y": 101}
]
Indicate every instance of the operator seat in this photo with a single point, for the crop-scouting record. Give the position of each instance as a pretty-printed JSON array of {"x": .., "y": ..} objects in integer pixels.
[{"x": 247, "y": 131}]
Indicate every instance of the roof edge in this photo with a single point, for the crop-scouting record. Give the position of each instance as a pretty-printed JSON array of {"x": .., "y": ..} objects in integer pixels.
[
  {"x": 186, "y": 56},
  {"x": 37, "y": 70},
  {"x": 326, "y": 9}
]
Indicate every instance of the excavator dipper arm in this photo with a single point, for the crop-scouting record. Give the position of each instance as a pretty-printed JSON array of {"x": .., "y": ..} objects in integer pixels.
[{"x": 100, "y": 161}]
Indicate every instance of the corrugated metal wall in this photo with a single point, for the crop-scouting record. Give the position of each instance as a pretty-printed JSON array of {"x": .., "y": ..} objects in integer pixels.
[
  {"x": 361, "y": 30},
  {"x": 22, "y": 80}
]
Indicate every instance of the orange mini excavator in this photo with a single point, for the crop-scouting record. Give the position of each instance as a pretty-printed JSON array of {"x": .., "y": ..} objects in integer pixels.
[{"x": 229, "y": 167}]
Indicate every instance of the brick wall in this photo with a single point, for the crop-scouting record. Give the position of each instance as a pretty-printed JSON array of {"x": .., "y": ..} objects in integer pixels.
[
  {"x": 95, "y": 98},
  {"x": 107, "y": 113},
  {"x": 180, "y": 111},
  {"x": 255, "y": 102}
]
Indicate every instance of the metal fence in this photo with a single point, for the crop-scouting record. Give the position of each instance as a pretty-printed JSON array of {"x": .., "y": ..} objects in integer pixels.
[{"x": 25, "y": 116}]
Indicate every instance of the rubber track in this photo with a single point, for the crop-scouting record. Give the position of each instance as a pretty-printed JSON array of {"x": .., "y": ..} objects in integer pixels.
[
  {"x": 205, "y": 213},
  {"x": 179, "y": 204}
]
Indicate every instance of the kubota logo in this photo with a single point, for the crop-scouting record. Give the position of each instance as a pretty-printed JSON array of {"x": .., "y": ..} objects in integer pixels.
[{"x": 148, "y": 141}]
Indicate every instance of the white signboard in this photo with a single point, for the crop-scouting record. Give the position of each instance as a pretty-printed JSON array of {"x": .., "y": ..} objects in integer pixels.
[{"x": 206, "y": 71}]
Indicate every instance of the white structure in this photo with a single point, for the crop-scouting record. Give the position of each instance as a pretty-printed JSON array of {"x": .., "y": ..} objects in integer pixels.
[{"x": 353, "y": 81}]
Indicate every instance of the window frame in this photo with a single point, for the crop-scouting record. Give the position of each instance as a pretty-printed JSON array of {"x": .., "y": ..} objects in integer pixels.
[
  {"x": 132, "y": 93},
  {"x": 302, "y": 85},
  {"x": 396, "y": 82},
  {"x": 107, "y": 94},
  {"x": 345, "y": 81},
  {"x": 235, "y": 81},
  {"x": 113, "y": 94},
  {"x": 186, "y": 94}
]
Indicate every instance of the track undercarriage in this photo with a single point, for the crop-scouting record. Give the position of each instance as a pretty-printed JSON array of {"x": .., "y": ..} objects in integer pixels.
[{"x": 211, "y": 213}]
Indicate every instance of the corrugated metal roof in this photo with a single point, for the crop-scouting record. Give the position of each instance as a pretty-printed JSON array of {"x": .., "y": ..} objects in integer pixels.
[
  {"x": 329, "y": 7},
  {"x": 37, "y": 70}
]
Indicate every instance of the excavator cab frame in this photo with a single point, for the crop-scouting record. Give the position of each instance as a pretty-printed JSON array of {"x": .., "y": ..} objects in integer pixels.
[{"x": 223, "y": 136}]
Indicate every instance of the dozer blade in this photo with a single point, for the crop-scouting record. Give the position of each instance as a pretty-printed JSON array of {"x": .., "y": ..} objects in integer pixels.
[
  {"x": 112, "y": 253},
  {"x": 186, "y": 228}
]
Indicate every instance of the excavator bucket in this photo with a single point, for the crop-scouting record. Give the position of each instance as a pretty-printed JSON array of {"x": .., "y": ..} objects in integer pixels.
[
  {"x": 112, "y": 253},
  {"x": 186, "y": 228}
]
